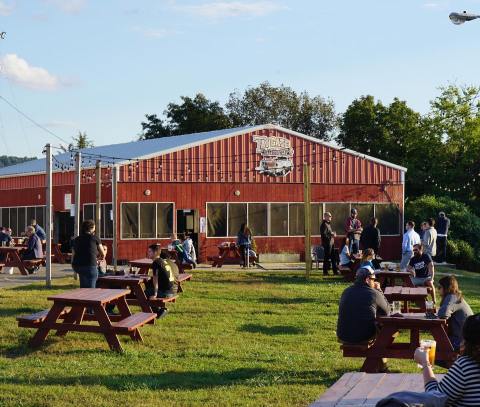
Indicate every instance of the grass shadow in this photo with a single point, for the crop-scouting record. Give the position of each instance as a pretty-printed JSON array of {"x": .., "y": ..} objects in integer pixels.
[
  {"x": 272, "y": 330},
  {"x": 286, "y": 301},
  {"x": 296, "y": 279},
  {"x": 39, "y": 287},
  {"x": 15, "y": 312}
]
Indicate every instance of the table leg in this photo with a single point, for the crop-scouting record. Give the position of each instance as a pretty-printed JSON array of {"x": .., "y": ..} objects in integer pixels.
[
  {"x": 17, "y": 262},
  {"x": 414, "y": 338},
  {"x": 106, "y": 325},
  {"x": 443, "y": 342},
  {"x": 75, "y": 316},
  {"x": 142, "y": 298},
  {"x": 125, "y": 312},
  {"x": 377, "y": 351},
  {"x": 42, "y": 332}
]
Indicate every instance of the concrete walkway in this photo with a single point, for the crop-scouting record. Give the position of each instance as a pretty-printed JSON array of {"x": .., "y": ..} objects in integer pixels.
[{"x": 16, "y": 279}]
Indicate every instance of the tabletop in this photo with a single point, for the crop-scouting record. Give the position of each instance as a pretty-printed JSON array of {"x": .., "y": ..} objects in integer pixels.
[
  {"x": 145, "y": 261},
  {"x": 392, "y": 273},
  {"x": 11, "y": 248},
  {"x": 406, "y": 291},
  {"x": 365, "y": 389},
  {"x": 410, "y": 319},
  {"x": 125, "y": 277},
  {"x": 89, "y": 295}
]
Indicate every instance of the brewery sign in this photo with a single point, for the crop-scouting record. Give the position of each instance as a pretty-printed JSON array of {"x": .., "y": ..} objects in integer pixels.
[{"x": 277, "y": 154}]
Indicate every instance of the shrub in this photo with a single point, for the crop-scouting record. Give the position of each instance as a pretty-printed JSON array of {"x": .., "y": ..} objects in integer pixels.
[{"x": 462, "y": 254}]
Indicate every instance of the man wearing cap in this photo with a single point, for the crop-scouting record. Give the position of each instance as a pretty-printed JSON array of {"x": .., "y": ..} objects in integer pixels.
[
  {"x": 328, "y": 243},
  {"x": 359, "y": 306},
  {"x": 443, "y": 224},
  {"x": 353, "y": 230}
]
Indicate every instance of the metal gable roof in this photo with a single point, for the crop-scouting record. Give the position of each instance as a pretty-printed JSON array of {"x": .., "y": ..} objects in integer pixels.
[{"x": 143, "y": 149}]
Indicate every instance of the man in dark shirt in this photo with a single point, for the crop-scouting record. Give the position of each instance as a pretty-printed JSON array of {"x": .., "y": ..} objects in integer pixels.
[
  {"x": 353, "y": 230},
  {"x": 421, "y": 268},
  {"x": 5, "y": 240},
  {"x": 370, "y": 237},
  {"x": 443, "y": 224},
  {"x": 359, "y": 306},
  {"x": 328, "y": 243},
  {"x": 34, "y": 248},
  {"x": 163, "y": 278}
]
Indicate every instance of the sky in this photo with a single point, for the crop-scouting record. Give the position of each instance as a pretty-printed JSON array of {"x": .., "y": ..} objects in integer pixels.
[{"x": 100, "y": 65}]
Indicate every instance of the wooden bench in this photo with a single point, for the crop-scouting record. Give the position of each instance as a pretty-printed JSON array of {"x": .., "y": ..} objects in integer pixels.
[
  {"x": 351, "y": 350},
  {"x": 33, "y": 320},
  {"x": 347, "y": 273},
  {"x": 180, "y": 279},
  {"x": 31, "y": 264},
  {"x": 154, "y": 301},
  {"x": 133, "y": 322}
]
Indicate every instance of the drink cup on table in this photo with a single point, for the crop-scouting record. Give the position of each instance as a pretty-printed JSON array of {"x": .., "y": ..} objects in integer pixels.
[{"x": 430, "y": 307}]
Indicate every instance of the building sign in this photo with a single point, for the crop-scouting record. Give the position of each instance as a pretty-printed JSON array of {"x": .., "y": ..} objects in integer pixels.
[{"x": 277, "y": 154}]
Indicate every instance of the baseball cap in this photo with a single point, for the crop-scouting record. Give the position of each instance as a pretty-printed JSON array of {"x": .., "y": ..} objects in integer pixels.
[{"x": 364, "y": 272}]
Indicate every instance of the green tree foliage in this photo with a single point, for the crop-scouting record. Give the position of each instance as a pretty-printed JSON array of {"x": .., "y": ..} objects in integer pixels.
[
  {"x": 190, "y": 116},
  {"x": 281, "y": 105},
  {"x": 7, "y": 160},
  {"x": 80, "y": 141}
]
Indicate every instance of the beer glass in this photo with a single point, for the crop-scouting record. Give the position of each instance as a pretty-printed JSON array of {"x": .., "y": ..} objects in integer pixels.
[
  {"x": 430, "y": 308},
  {"x": 429, "y": 346}
]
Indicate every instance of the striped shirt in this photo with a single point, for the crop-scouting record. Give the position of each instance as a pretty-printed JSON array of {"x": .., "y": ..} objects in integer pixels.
[{"x": 461, "y": 384}]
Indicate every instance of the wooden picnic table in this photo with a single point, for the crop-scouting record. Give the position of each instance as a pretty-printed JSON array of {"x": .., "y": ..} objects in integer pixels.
[
  {"x": 79, "y": 300},
  {"x": 389, "y": 278},
  {"x": 365, "y": 390},
  {"x": 133, "y": 282},
  {"x": 384, "y": 346},
  {"x": 12, "y": 258},
  {"x": 228, "y": 254},
  {"x": 418, "y": 295}
]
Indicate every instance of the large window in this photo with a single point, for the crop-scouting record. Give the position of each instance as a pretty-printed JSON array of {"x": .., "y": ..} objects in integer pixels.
[
  {"x": 146, "y": 220},
  {"x": 18, "y": 218},
  {"x": 237, "y": 215},
  {"x": 217, "y": 219},
  {"x": 258, "y": 218},
  {"x": 340, "y": 212},
  {"x": 316, "y": 218},
  {"x": 365, "y": 212},
  {"x": 388, "y": 218},
  {"x": 296, "y": 219},
  {"x": 106, "y": 229},
  {"x": 279, "y": 219}
]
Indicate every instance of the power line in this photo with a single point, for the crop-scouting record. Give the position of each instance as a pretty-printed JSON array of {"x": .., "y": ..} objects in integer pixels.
[{"x": 32, "y": 120}]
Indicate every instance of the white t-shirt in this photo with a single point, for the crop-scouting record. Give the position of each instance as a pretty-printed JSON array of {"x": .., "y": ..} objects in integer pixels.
[{"x": 345, "y": 255}]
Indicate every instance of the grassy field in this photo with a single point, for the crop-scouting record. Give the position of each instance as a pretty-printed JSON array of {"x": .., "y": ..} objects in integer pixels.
[{"x": 232, "y": 339}]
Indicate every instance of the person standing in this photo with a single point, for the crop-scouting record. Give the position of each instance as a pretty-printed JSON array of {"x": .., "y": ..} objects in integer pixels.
[
  {"x": 244, "y": 242},
  {"x": 34, "y": 248},
  {"x": 353, "y": 230},
  {"x": 443, "y": 224},
  {"x": 429, "y": 239},
  {"x": 39, "y": 230},
  {"x": 86, "y": 249},
  {"x": 328, "y": 243},
  {"x": 371, "y": 237},
  {"x": 410, "y": 238}
]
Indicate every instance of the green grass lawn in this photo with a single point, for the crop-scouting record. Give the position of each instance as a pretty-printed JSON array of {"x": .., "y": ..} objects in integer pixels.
[{"x": 232, "y": 339}]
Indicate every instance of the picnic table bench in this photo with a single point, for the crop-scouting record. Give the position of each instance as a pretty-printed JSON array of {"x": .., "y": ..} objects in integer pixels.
[
  {"x": 69, "y": 311},
  {"x": 389, "y": 278},
  {"x": 418, "y": 295},
  {"x": 384, "y": 346},
  {"x": 229, "y": 254},
  {"x": 365, "y": 390},
  {"x": 11, "y": 256}
]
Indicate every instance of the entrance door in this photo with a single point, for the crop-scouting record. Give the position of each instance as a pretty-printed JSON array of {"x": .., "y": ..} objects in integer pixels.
[
  {"x": 187, "y": 222},
  {"x": 64, "y": 230}
]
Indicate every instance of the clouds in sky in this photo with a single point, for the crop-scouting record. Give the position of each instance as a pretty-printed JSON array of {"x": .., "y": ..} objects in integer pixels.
[
  {"x": 223, "y": 9},
  {"x": 155, "y": 33},
  {"x": 68, "y": 6},
  {"x": 22, "y": 73},
  {"x": 6, "y": 8}
]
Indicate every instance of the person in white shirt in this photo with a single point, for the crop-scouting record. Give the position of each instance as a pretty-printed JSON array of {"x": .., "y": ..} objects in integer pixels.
[
  {"x": 189, "y": 248},
  {"x": 410, "y": 238},
  {"x": 429, "y": 239}
]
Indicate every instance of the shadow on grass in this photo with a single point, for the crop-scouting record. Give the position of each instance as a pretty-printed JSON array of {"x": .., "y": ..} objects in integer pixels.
[
  {"x": 286, "y": 301},
  {"x": 252, "y": 377},
  {"x": 271, "y": 330},
  {"x": 40, "y": 287},
  {"x": 16, "y": 312},
  {"x": 296, "y": 279}
]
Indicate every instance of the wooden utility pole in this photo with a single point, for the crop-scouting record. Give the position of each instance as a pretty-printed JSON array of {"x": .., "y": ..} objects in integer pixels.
[
  {"x": 308, "y": 224},
  {"x": 78, "y": 181},
  {"x": 115, "y": 216},
  {"x": 98, "y": 198},
  {"x": 48, "y": 183}
]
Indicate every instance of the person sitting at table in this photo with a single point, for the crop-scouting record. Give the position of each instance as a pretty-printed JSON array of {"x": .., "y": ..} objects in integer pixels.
[
  {"x": 86, "y": 250},
  {"x": 461, "y": 384},
  {"x": 454, "y": 308},
  {"x": 422, "y": 270},
  {"x": 163, "y": 282},
  {"x": 359, "y": 306},
  {"x": 345, "y": 255},
  {"x": 182, "y": 255},
  {"x": 189, "y": 248},
  {"x": 367, "y": 257},
  {"x": 39, "y": 230},
  {"x": 34, "y": 248},
  {"x": 5, "y": 240}
]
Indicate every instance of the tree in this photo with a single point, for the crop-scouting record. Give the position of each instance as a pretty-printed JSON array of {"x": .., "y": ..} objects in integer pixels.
[
  {"x": 281, "y": 105},
  {"x": 7, "y": 160},
  {"x": 191, "y": 116},
  {"x": 80, "y": 141}
]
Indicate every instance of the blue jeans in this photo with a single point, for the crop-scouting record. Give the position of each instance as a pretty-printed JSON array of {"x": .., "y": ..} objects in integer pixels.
[
  {"x": 88, "y": 275},
  {"x": 354, "y": 245}
]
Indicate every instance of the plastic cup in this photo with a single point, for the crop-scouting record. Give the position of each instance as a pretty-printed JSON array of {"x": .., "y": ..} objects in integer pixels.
[
  {"x": 429, "y": 307},
  {"x": 430, "y": 346}
]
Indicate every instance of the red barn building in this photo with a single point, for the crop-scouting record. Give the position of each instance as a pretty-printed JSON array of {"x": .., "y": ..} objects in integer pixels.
[{"x": 208, "y": 184}]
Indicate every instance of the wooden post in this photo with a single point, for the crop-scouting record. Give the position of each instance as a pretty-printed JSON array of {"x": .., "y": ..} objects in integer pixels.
[
  {"x": 308, "y": 224},
  {"x": 78, "y": 181},
  {"x": 98, "y": 198},
  {"x": 48, "y": 183},
  {"x": 115, "y": 216}
]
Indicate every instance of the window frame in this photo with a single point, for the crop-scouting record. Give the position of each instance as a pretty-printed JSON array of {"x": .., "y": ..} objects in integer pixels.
[
  {"x": 103, "y": 218},
  {"x": 26, "y": 215}
]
